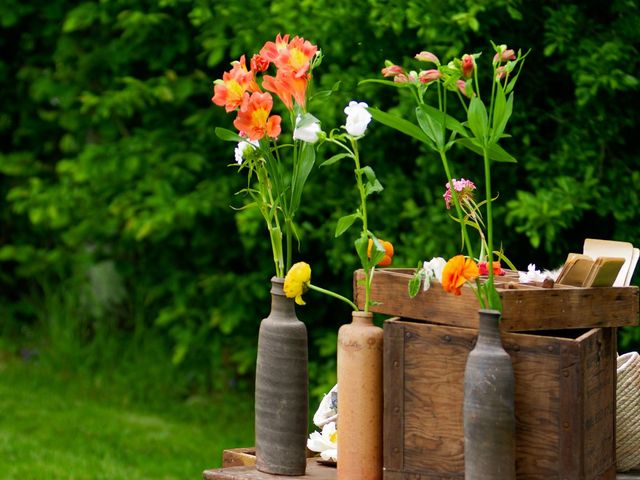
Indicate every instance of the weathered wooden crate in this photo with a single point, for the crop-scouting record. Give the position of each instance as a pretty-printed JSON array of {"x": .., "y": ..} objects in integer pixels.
[
  {"x": 523, "y": 307},
  {"x": 564, "y": 402}
]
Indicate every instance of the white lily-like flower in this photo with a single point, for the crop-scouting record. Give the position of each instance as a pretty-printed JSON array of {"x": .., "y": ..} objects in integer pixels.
[
  {"x": 307, "y": 128},
  {"x": 531, "y": 275},
  {"x": 358, "y": 118},
  {"x": 432, "y": 270},
  {"x": 326, "y": 442},
  {"x": 242, "y": 147}
]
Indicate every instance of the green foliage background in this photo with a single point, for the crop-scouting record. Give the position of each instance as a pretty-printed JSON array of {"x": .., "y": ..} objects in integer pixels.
[{"x": 117, "y": 236}]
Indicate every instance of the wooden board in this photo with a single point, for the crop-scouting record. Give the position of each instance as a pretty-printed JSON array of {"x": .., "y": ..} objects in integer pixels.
[
  {"x": 565, "y": 402},
  {"x": 524, "y": 307}
]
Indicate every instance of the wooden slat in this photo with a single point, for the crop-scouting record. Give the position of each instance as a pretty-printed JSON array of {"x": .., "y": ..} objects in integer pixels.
[
  {"x": 237, "y": 457},
  {"x": 525, "y": 307},
  {"x": 393, "y": 395}
]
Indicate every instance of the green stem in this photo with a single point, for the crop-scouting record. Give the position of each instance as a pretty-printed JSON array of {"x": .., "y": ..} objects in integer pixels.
[
  {"x": 363, "y": 210},
  {"x": 334, "y": 295},
  {"x": 487, "y": 176}
]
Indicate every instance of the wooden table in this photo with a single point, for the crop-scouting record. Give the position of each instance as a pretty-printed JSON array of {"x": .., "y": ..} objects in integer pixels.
[
  {"x": 315, "y": 471},
  {"x": 239, "y": 464}
]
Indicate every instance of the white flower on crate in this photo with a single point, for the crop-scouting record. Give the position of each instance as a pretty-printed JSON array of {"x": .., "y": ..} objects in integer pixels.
[
  {"x": 326, "y": 443},
  {"x": 432, "y": 270}
]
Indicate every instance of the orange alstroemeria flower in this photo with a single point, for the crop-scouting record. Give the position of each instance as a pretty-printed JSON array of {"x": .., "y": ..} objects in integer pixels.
[
  {"x": 286, "y": 85},
  {"x": 253, "y": 119},
  {"x": 293, "y": 57},
  {"x": 457, "y": 272},
  {"x": 229, "y": 91}
]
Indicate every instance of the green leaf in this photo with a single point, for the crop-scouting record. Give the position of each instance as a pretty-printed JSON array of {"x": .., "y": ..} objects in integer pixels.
[
  {"x": 477, "y": 117},
  {"x": 414, "y": 284},
  {"x": 228, "y": 136},
  {"x": 401, "y": 125},
  {"x": 361, "y": 245},
  {"x": 334, "y": 159},
  {"x": 345, "y": 222},
  {"x": 374, "y": 187},
  {"x": 377, "y": 250},
  {"x": 433, "y": 129},
  {"x": 495, "y": 151},
  {"x": 302, "y": 169},
  {"x": 444, "y": 119},
  {"x": 501, "y": 114}
]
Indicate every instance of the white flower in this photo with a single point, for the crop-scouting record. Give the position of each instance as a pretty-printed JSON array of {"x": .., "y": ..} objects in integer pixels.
[
  {"x": 307, "y": 128},
  {"x": 326, "y": 442},
  {"x": 242, "y": 146},
  {"x": 432, "y": 270},
  {"x": 531, "y": 275},
  {"x": 358, "y": 117}
]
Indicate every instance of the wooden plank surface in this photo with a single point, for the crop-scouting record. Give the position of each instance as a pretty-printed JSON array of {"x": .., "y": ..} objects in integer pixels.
[
  {"x": 321, "y": 472},
  {"x": 315, "y": 471},
  {"x": 393, "y": 420},
  {"x": 524, "y": 307}
]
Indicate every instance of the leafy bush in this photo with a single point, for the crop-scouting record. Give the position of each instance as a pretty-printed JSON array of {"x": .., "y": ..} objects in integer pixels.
[{"x": 108, "y": 157}]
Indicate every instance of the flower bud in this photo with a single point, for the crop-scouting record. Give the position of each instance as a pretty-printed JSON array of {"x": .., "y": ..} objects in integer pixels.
[
  {"x": 428, "y": 76},
  {"x": 427, "y": 57},
  {"x": 468, "y": 65},
  {"x": 504, "y": 56},
  {"x": 392, "y": 70},
  {"x": 259, "y": 63}
]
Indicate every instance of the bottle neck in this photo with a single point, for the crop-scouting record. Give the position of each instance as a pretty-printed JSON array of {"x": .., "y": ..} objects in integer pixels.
[
  {"x": 280, "y": 304},
  {"x": 362, "y": 318},
  {"x": 489, "y": 327}
]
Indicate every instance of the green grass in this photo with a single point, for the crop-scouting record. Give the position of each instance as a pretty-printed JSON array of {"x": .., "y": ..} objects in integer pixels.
[{"x": 64, "y": 428}]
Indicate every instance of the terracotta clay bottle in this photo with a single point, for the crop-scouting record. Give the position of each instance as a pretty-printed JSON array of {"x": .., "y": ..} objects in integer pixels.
[
  {"x": 360, "y": 399},
  {"x": 489, "y": 418},
  {"x": 282, "y": 399}
]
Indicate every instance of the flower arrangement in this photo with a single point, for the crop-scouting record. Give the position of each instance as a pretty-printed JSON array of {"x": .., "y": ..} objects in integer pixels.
[
  {"x": 274, "y": 182},
  {"x": 371, "y": 251},
  {"x": 481, "y": 132}
]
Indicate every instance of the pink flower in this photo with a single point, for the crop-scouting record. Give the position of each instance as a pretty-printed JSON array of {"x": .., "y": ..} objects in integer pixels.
[
  {"x": 427, "y": 57},
  {"x": 427, "y": 76},
  {"x": 464, "y": 189},
  {"x": 468, "y": 64},
  {"x": 504, "y": 56},
  {"x": 500, "y": 73},
  {"x": 392, "y": 71},
  {"x": 484, "y": 270}
]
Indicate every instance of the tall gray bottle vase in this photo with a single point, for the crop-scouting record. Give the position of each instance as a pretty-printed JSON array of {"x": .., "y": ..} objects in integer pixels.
[
  {"x": 282, "y": 385},
  {"x": 489, "y": 418}
]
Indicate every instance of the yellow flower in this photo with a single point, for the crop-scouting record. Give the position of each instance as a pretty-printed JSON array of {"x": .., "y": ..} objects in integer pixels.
[{"x": 297, "y": 280}]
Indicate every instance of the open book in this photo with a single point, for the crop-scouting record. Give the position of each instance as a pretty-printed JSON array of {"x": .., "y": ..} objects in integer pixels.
[
  {"x": 583, "y": 271},
  {"x": 603, "y": 263}
]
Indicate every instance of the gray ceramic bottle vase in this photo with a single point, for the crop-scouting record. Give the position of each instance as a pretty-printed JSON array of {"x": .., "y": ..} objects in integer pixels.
[
  {"x": 360, "y": 399},
  {"x": 282, "y": 385},
  {"x": 489, "y": 419}
]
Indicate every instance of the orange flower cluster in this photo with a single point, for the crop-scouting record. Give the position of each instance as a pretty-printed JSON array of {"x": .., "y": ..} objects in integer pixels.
[
  {"x": 239, "y": 90},
  {"x": 457, "y": 272},
  {"x": 388, "y": 252}
]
